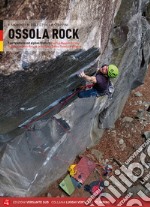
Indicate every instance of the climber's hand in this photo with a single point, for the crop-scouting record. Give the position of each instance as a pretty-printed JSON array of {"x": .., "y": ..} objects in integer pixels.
[{"x": 82, "y": 74}]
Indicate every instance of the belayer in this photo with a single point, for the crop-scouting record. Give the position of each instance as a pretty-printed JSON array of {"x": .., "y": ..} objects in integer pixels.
[{"x": 101, "y": 82}]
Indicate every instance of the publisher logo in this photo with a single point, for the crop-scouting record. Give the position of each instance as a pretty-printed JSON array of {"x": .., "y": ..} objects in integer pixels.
[
  {"x": 120, "y": 185},
  {"x": 6, "y": 202}
]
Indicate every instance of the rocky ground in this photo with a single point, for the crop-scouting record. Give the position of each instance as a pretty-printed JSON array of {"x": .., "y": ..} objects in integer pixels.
[{"x": 116, "y": 145}]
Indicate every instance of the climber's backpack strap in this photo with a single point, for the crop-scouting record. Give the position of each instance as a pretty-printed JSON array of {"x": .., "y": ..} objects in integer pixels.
[{"x": 110, "y": 89}]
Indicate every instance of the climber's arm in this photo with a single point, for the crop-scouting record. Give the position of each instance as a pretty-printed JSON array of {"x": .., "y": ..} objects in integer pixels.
[{"x": 91, "y": 79}]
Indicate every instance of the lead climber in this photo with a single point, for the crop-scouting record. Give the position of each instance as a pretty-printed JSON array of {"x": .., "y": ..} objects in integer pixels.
[{"x": 101, "y": 81}]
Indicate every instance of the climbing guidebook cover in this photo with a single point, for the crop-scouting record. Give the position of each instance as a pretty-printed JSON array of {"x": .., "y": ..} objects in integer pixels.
[{"x": 67, "y": 137}]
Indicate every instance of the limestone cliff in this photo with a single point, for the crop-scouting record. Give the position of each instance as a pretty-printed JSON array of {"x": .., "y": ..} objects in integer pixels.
[{"x": 116, "y": 32}]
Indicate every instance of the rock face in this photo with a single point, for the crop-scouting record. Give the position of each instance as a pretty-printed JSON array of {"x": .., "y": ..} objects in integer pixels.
[{"x": 117, "y": 32}]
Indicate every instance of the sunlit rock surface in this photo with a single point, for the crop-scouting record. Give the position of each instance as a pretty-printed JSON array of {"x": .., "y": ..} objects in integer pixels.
[{"x": 32, "y": 159}]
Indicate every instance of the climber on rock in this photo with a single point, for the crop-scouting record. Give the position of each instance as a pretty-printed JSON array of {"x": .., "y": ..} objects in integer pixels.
[{"x": 101, "y": 81}]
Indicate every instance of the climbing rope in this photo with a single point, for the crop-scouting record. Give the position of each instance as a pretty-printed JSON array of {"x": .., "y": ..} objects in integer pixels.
[
  {"x": 61, "y": 103},
  {"x": 29, "y": 127}
]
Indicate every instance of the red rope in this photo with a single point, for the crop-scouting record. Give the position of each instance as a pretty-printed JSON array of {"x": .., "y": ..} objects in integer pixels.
[
  {"x": 50, "y": 110},
  {"x": 67, "y": 131},
  {"x": 61, "y": 103}
]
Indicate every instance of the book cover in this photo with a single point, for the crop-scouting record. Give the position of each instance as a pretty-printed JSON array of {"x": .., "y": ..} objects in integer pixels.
[{"x": 61, "y": 142}]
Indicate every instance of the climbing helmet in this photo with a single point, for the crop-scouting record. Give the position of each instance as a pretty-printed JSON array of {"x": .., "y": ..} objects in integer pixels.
[{"x": 112, "y": 71}]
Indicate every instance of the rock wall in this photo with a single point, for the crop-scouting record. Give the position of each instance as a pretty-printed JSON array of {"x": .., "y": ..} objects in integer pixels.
[{"x": 32, "y": 159}]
